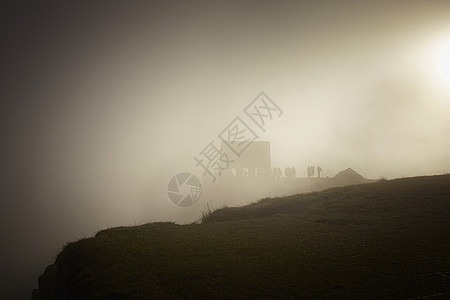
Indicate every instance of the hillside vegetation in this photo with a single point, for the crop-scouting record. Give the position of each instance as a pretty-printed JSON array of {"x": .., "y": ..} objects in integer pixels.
[{"x": 389, "y": 239}]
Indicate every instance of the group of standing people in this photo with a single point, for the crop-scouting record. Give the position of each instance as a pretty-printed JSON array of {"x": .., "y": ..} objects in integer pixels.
[
  {"x": 310, "y": 171},
  {"x": 290, "y": 172},
  {"x": 277, "y": 173}
]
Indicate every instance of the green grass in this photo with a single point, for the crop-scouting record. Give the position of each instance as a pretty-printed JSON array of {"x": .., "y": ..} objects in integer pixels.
[{"x": 388, "y": 239}]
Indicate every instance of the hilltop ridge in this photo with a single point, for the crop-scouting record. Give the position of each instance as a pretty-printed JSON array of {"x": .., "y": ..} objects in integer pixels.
[{"x": 387, "y": 239}]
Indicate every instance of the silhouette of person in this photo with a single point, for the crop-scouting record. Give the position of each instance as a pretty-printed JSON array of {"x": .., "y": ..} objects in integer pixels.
[
  {"x": 319, "y": 169},
  {"x": 277, "y": 173},
  {"x": 312, "y": 171}
]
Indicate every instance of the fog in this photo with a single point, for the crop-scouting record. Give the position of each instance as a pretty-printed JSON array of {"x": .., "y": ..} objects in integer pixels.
[{"x": 103, "y": 103}]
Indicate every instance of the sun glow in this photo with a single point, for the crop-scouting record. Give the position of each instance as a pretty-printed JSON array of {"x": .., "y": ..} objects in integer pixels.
[
  {"x": 434, "y": 62},
  {"x": 443, "y": 61}
]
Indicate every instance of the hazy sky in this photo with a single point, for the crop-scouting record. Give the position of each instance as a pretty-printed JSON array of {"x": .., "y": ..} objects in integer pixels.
[{"x": 103, "y": 102}]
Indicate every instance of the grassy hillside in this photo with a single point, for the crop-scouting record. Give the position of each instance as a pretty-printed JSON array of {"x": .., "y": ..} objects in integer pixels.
[{"x": 389, "y": 239}]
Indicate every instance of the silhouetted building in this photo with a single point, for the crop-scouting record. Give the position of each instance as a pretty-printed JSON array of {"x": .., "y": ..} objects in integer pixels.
[{"x": 253, "y": 161}]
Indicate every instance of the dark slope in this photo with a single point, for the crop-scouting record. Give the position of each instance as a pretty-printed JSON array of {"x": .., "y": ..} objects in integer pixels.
[{"x": 381, "y": 240}]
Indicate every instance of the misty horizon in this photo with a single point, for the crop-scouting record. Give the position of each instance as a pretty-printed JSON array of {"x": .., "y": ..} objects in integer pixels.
[{"x": 103, "y": 103}]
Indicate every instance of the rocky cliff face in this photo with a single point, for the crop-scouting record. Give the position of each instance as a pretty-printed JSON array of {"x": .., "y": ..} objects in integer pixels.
[
  {"x": 54, "y": 283},
  {"x": 47, "y": 284}
]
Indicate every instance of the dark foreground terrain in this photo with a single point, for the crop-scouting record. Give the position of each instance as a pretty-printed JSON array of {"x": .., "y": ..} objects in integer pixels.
[{"x": 389, "y": 239}]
